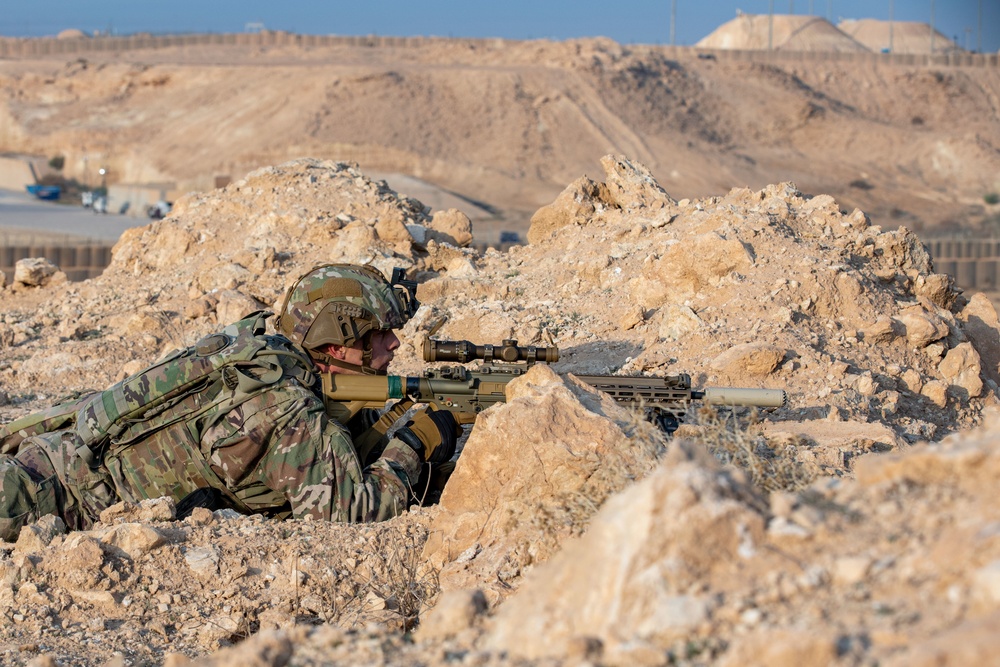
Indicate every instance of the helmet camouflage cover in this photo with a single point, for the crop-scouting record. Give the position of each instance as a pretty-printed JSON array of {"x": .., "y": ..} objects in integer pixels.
[{"x": 339, "y": 304}]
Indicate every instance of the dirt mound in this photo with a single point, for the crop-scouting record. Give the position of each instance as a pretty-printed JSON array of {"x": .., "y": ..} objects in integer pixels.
[
  {"x": 899, "y": 36},
  {"x": 827, "y": 533},
  {"x": 781, "y": 32}
]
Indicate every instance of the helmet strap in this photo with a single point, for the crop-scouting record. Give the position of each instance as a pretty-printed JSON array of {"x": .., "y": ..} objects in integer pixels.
[{"x": 366, "y": 361}]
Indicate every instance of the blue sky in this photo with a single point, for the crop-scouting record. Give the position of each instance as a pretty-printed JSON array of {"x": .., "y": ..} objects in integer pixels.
[{"x": 632, "y": 21}]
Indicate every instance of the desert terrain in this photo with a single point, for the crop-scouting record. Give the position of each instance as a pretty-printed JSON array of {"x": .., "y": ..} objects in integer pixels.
[
  {"x": 505, "y": 125},
  {"x": 853, "y": 526}
]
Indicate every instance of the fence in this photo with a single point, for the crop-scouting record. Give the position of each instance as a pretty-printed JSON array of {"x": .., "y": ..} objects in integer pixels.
[
  {"x": 31, "y": 47},
  {"x": 77, "y": 261},
  {"x": 974, "y": 263}
]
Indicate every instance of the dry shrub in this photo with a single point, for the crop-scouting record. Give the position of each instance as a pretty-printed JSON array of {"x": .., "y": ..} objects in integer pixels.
[
  {"x": 772, "y": 464},
  {"x": 382, "y": 578}
]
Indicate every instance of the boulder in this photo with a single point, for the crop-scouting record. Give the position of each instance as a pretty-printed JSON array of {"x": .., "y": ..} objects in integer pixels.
[
  {"x": 574, "y": 205},
  {"x": 749, "y": 359},
  {"x": 634, "y": 577},
  {"x": 532, "y": 473},
  {"x": 34, "y": 271},
  {"x": 630, "y": 185},
  {"x": 450, "y": 226},
  {"x": 961, "y": 367},
  {"x": 922, "y": 327}
]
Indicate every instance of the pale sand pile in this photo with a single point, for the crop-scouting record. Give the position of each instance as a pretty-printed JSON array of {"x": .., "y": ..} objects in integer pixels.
[
  {"x": 906, "y": 36},
  {"x": 780, "y": 32}
]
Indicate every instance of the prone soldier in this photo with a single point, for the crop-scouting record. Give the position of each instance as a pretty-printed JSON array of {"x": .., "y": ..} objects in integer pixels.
[{"x": 239, "y": 420}]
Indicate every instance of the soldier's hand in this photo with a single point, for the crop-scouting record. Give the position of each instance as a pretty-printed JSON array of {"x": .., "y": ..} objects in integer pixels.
[{"x": 432, "y": 434}]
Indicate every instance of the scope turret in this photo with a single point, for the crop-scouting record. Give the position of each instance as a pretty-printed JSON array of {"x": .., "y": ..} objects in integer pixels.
[{"x": 508, "y": 351}]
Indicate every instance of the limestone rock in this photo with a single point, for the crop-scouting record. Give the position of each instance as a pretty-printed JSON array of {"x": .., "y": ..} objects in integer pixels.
[
  {"x": 509, "y": 513},
  {"x": 629, "y": 579},
  {"x": 450, "y": 226},
  {"x": 134, "y": 539},
  {"x": 749, "y": 359},
  {"x": 34, "y": 271},
  {"x": 690, "y": 266},
  {"x": 454, "y": 612},
  {"x": 678, "y": 321},
  {"x": 922, "y": 327},
  {"x": 36, "y": 536},
  {"x": 937, "y": 392},
  {"x": 631, "y": 185},
  {"x": 574, "y": 205},
  {"x": 937, "y": 288},
  {"x": 232, "y": 306},
  {"x": 203, "y": 561},
  {"x": 982, "y": 327},
  {"x": 883, "y": 330},
  {"x": 961, "y": 367},
  {"x": 783, "y": 648}
]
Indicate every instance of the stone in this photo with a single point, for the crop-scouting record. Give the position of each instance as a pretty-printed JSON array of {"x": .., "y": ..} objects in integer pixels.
[
  {"x": 575, "y": 204},
  {"x": 632, "y": 318},
  {"x": 850, "y": 570},
  {"x": 633, "y": 576},
  {"x": 750, "y": 359},
  {"x": 689, "y": 266},
  {"x": 203, "y": 561},
  {"x": 937, "y": 392},
  {"x": 450, "y": 226},
  {"x": 781, "y": 647},
  {"x": 961, "y": 367},
  {"x": 937, "y": 288},
  {"x": 34, "y": 271},
  {"x": 233, "y": 306},
  {"x": 134, "y": 539},
  {"x": 678, "y": 321},
  {"x": 921, "y": 327},
  {"x": 517, "y": 512},
  {"x": 455, "y": 611},
  {"x": 36, "y": 536},
  {"x": 630, "y": 185},
  {"x": 982, "y": 327},
  {"x": 882, "y": 331}
]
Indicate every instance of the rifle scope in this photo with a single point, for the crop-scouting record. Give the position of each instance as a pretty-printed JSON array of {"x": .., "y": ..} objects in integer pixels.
[{"x": 509, "y": 352}]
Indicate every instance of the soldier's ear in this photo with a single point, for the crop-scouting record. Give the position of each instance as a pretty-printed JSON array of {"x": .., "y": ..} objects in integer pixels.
[{"x": 334, "y": 350}]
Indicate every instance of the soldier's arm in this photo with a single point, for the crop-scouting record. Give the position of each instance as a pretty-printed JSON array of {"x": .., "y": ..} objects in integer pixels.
[{"x": 286, "y": 442}]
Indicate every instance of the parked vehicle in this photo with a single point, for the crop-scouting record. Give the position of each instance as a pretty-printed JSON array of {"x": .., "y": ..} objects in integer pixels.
[
  {"x": 159, "y": 210},
  {"x": 46, "y": 192}
]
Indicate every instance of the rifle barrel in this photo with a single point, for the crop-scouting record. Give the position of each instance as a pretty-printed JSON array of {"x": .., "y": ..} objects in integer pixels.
[{"x": 761, "y": 398}]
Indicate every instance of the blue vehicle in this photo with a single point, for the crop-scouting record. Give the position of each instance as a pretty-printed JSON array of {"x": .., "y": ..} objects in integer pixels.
[{"x": 46, "y": 192}]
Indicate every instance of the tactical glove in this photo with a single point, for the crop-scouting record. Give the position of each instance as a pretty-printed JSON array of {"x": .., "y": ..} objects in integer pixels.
[{"x": 432, "y": 434}]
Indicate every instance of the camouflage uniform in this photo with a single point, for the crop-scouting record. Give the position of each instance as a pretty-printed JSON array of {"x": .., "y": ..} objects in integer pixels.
[{"x": 263, "y": 443}]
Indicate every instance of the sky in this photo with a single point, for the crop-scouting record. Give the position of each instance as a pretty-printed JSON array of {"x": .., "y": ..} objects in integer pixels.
[{"x": 626, "y": 21}]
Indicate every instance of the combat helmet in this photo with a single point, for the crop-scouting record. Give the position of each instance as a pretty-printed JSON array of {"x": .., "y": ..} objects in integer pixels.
[{"x": 340, "y": 304}]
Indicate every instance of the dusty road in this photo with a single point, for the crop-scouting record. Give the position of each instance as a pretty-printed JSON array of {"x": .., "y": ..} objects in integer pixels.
[{"x": 22, "y": 215}]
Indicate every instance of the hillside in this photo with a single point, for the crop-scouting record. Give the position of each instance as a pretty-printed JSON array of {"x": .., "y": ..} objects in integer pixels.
[{"x": 505, "y": 125}]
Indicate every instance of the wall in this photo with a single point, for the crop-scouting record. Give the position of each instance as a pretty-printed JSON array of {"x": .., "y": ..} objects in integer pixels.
[{"x": 77, "y": 261}]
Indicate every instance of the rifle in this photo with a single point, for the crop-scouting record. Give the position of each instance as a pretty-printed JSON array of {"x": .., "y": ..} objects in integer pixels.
[{"x": 467, "y": 392}]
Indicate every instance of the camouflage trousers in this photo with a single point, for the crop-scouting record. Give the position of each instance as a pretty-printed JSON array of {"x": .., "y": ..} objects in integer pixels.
[{"x": 48, "y": 476}]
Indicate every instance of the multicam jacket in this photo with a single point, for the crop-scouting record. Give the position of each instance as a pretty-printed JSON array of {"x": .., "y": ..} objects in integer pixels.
[{"x": 237, "y": 414}]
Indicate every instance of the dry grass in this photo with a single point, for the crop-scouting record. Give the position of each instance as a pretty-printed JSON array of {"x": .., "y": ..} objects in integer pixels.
[
  {"x": 381, "y": 578},
  {"x": 771, "y": 465}
]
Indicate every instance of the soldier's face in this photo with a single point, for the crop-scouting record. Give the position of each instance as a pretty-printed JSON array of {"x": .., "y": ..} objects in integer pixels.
[{"x": 384, "y": 345}]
